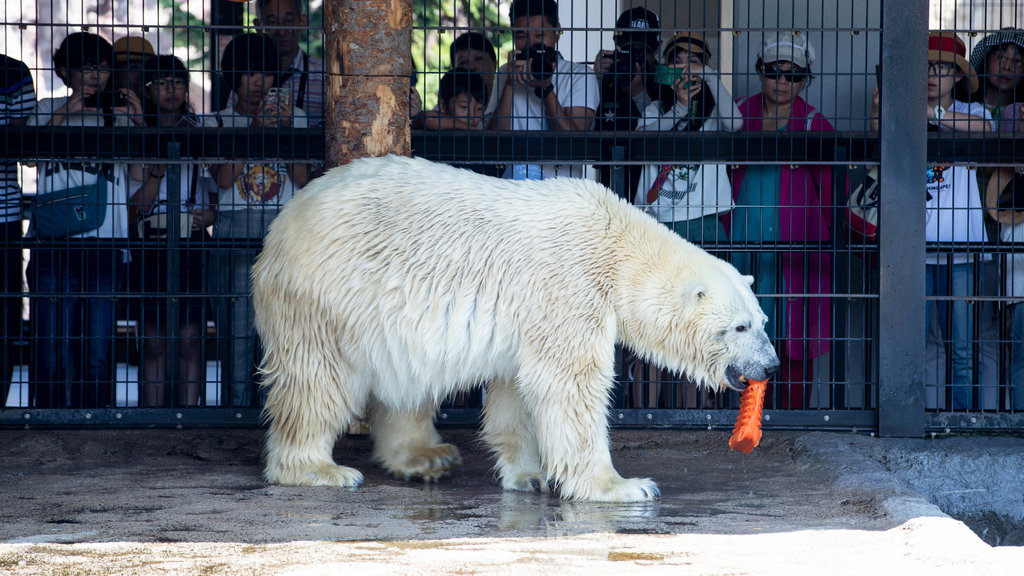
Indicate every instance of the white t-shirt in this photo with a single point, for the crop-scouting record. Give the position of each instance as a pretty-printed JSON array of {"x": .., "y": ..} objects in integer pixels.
[
  {"x": 954, "y": 212},
  {"x": 690, "y": 190},
  {"x": 575, "y": 86},
  {"x": 206, "y": 186},
  {"x": 262, "y": 184},
  {"x": 61, "y": 175}
]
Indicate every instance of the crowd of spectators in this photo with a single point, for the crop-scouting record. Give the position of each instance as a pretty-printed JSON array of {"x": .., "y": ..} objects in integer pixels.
[{"x": 642, "y": 84}]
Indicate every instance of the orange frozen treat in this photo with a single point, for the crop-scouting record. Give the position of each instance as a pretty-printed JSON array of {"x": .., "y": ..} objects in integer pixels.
[{"x": 747, "y": 433}]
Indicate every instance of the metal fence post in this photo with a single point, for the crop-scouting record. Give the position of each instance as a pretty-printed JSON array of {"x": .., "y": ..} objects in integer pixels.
[{"x": 903, "y": 139}]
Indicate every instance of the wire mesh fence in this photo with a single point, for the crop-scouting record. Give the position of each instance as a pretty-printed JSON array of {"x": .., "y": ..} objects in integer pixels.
[{"x": 147, "y": 148}]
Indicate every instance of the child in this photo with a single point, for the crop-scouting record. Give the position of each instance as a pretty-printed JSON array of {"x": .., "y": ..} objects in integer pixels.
[
  {"x": 251, "y": 194},
  {"x": 954, "y": 210},
  {"x": 462, "y": 95}
]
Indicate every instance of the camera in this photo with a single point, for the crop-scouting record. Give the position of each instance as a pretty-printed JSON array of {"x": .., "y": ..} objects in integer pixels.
[
  {"x": 624, "y": 65},
  {"x": 542, "y": 60},
  {"x": 106, "y": 99},
  {"x": 627, "y": 57}
]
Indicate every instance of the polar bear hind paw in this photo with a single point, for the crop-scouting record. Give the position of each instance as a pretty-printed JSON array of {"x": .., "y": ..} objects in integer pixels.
[
  {"x": 527, "y": 483},
  {"x": 429, "y": 464},
  {"x": 320, "y": 475}
]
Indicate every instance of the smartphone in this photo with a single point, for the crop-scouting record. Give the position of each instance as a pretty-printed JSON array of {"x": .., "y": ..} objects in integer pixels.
[
  {"x": 276, "y": 94},
  {"x": 106, "y": 99},
  {"x": 667, "y": 75}
]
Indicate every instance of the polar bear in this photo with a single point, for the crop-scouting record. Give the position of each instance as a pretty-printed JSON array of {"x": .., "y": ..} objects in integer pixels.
[{"x": 390, "y": 283}]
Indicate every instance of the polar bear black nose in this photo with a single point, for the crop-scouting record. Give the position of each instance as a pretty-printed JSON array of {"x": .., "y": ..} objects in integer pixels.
[{"x": 771, "y": 371}]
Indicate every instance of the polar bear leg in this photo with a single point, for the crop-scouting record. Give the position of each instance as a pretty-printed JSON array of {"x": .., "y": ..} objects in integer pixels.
[
  {"x": 302, "y": 433},
  {"x": 407, "y": 445},
  {"x": 572, "y": 434},
  {"x": 509, "y": 430}
]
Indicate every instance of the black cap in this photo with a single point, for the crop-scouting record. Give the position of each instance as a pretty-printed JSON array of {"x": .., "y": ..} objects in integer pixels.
[{"x": 638, "y": 25}]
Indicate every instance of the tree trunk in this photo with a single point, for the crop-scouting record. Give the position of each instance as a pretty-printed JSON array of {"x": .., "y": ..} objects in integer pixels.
[{"x": 368, "y": 60}]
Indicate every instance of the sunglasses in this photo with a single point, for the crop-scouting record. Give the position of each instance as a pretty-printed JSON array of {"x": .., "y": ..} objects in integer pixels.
[{"x": 774, "y": 72}]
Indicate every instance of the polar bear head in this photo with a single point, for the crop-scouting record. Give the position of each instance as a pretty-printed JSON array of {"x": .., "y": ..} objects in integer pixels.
[{"x": 696, "y": 315}]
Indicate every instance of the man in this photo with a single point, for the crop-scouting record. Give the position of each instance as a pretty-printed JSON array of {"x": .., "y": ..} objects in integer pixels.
[
  {"x": 538, "y": 89},
  {"x": 473, "y": 51},
  {"x": 285, "y": 22},
  {"x": 17, "y": 99},
  {"x": 129, "y": 54},
  {"x": 626, "y": 77}
]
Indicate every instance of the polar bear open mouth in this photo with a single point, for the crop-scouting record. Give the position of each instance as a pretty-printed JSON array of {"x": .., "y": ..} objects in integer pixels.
[{"x": 734, "y": 379}]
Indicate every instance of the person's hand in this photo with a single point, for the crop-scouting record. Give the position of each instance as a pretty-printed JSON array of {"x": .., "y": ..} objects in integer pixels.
[
  {"x": 157, "y": 170},
  {"x": 134, "y": 108},
  {"x": 75, "y": 103},
  {"x": 202, "y": 218},
  {"x": 687, "y": 87},
  {"x": 519, "y": 70},
  {"x": 603, "y": 63},
  {"x": 274, "y": 113}
]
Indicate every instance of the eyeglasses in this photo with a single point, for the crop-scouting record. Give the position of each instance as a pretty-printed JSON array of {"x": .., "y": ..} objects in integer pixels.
[
  {"x": 176, "y": 83},
  {"x": 940, "y": 69},
  {"x": 774, "y": 72}
]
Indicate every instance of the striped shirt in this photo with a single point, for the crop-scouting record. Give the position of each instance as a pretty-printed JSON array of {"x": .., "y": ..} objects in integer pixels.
[
  {"x": 305, "y": 77},
  {"x": 17, "y": 100}
]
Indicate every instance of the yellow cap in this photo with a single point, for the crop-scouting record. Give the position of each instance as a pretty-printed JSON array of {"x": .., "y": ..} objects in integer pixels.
[{"x": 132, "y": 48}]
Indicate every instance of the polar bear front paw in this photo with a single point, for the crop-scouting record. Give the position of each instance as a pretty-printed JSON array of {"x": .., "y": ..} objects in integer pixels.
[
  {"x": 429, "y": 463},
  {"x": 623, "y": 490}
]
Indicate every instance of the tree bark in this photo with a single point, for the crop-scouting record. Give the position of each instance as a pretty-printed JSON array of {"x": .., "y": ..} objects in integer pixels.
[{"x": 368, "y": 60}]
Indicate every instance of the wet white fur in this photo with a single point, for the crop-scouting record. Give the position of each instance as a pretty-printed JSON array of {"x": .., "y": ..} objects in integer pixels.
[{"x": 390, "y": 283}]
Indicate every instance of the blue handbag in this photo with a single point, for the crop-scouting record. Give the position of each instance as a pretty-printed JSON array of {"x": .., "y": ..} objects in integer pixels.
[{"x": 71, "y": 211}]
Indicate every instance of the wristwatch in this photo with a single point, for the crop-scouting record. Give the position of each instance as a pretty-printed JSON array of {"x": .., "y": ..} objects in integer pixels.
[
  {"x": 940, "y": 113},
  {"x": 542, "y": 92}
]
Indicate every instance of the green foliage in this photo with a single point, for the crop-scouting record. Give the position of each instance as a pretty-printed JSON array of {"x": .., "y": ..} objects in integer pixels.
[
  {"x": 436, "y": 24},
  {"x": 187, "y": 29}
]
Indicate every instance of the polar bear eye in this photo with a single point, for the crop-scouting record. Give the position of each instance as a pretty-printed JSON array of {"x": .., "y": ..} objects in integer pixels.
[{"x": 741, "y": 328}]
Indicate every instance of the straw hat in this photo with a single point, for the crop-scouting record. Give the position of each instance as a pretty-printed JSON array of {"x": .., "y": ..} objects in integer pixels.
[
  {"x": 949, "y": 48},
  {"x": 133, "y": 49},
  {"x": 1002, "y": 183},
  {"x": 695, "y": 41}
]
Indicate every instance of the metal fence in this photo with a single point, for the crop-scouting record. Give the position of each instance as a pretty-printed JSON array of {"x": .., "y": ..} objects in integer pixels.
[{"x": 848, "y": 313}]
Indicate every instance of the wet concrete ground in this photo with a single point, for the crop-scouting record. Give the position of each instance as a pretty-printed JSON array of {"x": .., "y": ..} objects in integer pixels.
[{"x": 192, "y": 501}]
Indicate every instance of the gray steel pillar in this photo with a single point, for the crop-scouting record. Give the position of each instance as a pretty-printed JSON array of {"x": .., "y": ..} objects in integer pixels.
[{"x": 903, "y": 134}]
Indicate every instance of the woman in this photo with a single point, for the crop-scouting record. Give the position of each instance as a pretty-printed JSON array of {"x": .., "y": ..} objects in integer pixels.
[
  {"x": 688, "y": 198},
  {"x": 251, "y": 194},
  {"x": 165, "y": 91},
  {"x": 785, "y": 203},
  {"x": 73, "y": 325},
  {"x": 999, "y": 61}
]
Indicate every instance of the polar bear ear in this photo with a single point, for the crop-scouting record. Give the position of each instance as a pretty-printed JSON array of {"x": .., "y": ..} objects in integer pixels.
[
  {"x": 697, "y": 291},
  {"x": 749, "y": 280}
]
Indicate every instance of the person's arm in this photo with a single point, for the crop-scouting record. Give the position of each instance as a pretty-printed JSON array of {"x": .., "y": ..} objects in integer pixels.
[
  {"x": 501, "y": 119},
  {"x": 960, "y": 121},
  {"x": 726, "y": 115},
  {"x": 571, "y": 119},
  {"x": 874, "y": 110},
  {"x": 146, "y": 195}
]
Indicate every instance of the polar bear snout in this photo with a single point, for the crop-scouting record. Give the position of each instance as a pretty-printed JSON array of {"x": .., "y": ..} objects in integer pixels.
[{"x": 756, "y": 362}]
